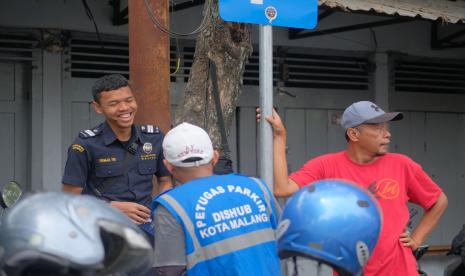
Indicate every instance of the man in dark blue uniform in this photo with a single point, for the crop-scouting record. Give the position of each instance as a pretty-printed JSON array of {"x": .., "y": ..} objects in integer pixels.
[{"x": 116, "y": 160}]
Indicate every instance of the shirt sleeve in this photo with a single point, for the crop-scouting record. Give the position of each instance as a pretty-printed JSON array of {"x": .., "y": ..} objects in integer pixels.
[
  {"x": 162, "y": 170},
  {"x": 171, "y": 271},
  {"x": 170, "y": 245},
  {"x": 310, "y": 172},
  {"x": 76, "y": 167},
  {"x": 422, "y": 190}
]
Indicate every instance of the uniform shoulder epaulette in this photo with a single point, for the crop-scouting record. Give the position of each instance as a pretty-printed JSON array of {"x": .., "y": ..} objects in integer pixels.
[
  {"x": 88, "y": 133},
  {"x": 149, "y": 129}
]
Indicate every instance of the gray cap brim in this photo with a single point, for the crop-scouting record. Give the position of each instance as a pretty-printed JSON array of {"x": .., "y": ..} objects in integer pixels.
[{"x": 386, "y": 117}]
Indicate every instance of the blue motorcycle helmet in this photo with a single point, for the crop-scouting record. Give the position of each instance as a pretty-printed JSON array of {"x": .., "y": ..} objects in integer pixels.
[{"x": 333, "y": 222}]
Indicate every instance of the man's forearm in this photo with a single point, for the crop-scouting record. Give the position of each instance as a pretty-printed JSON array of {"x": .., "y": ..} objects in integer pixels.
[
  {"x": 73, "y": 189},
  {"x": 282, "y": 186},
  {"x": 429, "y": 220}
]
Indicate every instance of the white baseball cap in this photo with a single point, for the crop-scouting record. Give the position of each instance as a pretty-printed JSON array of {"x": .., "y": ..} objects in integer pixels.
[{"x": 187, "y": 145}]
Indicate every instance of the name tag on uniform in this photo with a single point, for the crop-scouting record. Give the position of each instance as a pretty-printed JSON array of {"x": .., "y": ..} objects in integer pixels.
[
  {"x": 151, "y": 156},
  {"x": 107, "y": 159}
]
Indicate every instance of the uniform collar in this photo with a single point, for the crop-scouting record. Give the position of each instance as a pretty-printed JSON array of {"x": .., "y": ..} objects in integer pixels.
[
  {"x": 137, "y": 134},
  {"x": 109, "y": 136}
]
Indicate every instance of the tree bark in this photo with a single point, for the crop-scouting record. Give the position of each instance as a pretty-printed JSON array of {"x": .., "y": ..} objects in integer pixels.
[{"x": 228, "y": 45}]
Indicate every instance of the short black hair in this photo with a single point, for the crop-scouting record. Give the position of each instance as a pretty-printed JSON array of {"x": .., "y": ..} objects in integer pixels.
[{"x": 108, "y": 83}]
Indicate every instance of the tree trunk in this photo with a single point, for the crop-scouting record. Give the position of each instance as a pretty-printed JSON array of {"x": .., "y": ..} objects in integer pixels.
[{"x": 228, "y": 45}]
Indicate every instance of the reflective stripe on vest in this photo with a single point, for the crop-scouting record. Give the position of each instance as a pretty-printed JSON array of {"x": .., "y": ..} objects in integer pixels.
[
  {"x": 184, "y": 217},
  {"x": 219, "y": 248},
  {"x": 267, "y": 196}
]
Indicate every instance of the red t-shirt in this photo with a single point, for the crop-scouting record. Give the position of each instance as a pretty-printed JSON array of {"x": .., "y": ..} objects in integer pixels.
[{"x": 394, "y": 179}]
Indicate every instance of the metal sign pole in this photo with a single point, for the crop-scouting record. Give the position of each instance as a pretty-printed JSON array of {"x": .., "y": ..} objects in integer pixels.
[
  {"x": 297, "y": 14},
  {"x": 266, "y": 104}
]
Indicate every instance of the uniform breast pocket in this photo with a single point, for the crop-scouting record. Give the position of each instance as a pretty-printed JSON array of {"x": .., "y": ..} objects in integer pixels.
[
  {"x": 108, "y": 170},
  {"x": 147, "y": 167}
]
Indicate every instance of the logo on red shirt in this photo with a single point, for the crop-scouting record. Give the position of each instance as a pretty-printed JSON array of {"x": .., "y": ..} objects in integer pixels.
[{"x": 386, "y": 188}]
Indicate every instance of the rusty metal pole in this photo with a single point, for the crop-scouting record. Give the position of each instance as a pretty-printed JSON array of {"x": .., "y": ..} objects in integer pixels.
[{"x": 149, "y": 63}]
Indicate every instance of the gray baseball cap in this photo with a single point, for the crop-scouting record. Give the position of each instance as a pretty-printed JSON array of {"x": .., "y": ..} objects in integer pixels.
[{"x": 365, "y": 112}]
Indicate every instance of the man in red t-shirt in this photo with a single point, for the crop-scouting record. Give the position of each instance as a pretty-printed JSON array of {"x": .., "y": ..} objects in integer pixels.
[{"x": 393, "y": 178}]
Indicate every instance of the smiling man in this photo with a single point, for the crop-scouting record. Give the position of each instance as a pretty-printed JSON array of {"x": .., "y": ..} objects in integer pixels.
[
  {"x": 116, "y": 160},
  {"x": 393, "y": 178}
]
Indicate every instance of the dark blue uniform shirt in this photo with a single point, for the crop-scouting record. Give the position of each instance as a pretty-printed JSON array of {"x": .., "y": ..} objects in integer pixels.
[{"x": 96, "y": 156}]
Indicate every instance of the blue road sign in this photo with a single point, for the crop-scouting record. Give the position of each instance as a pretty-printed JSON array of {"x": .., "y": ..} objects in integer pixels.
[{"x": 288, "y": 13}]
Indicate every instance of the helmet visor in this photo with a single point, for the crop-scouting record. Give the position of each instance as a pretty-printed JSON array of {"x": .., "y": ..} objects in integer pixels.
[{"x": 126, "y": 249}]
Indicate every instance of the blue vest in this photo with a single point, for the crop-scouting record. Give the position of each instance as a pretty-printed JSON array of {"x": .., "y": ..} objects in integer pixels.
[{"x": 229, "y": 222}]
